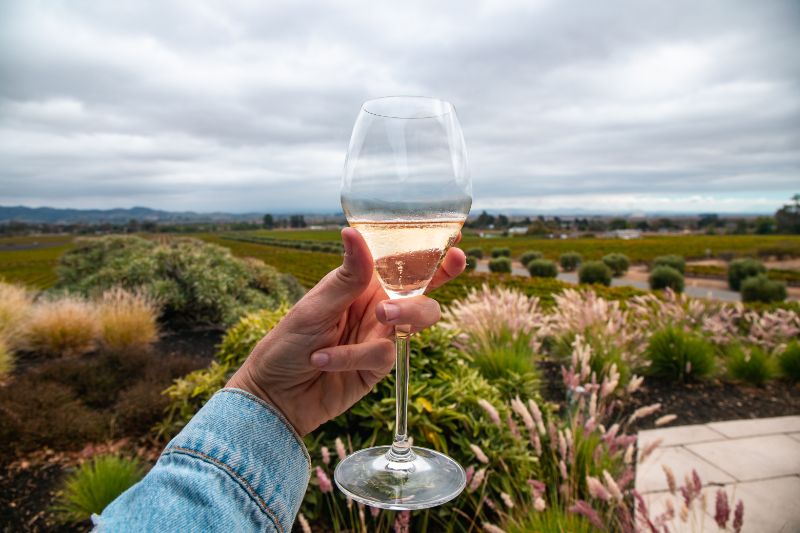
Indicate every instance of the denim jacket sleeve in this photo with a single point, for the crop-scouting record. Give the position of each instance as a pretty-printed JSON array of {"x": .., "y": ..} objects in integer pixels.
[{"x": 238, "y": 465}]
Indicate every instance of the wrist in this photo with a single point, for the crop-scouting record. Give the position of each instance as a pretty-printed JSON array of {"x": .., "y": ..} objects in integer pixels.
[{"x": 243, "y": 380}]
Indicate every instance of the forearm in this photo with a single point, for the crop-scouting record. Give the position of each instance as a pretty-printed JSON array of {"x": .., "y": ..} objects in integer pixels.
[{"x": 237, "y": 466}]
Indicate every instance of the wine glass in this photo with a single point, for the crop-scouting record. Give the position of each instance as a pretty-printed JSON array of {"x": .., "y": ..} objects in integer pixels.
[{"x": 406, "y": 189}]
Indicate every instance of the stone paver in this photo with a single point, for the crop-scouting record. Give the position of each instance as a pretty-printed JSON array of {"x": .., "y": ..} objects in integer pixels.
[
  {"x": 751, "y": 458},
  {"x": 673, "y": 436},
  {"x": 763, "y": 426},
  {"x": 650, "y": 474},
  {"x": 770, "y": 505},
  {"x": 757, "y": 461}
]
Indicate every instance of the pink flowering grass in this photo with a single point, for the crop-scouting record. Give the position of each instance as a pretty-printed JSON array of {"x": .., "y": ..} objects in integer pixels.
[{"x": 500, "y": 329}]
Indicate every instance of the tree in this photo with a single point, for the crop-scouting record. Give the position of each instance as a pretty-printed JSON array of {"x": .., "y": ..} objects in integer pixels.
[
  {"x": 297, "y": 221},
  {"x": 708, "y": 219},
  {"x": 765, "y": 225},
  {"x": 618, "y": 223},
  {"x": 484, "y": 220},
  {"x": 269, "y": 222},
  {"x": 502, "y": 221},
  {"x": 666, "y": 223},
  {"x": 787, "y": 218},
  {"x": 537, "y": 228},
  {"x": 597, "y": 224}
]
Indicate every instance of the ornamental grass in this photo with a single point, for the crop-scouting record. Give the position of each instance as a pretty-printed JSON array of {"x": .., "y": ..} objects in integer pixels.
[
  {"x": 66, "y": 327},
  {"x": 15, "y": 306},
  {"x": 127, "y": 320}
]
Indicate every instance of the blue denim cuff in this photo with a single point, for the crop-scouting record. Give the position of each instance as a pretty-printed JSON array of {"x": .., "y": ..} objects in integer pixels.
[{"x": 254, "y": 444}]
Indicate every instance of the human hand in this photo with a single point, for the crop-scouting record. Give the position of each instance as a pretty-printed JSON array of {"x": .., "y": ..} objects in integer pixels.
[{"x": 336, "y": 343}]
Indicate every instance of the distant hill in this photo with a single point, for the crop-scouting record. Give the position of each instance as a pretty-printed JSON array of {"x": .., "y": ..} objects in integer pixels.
[{"x": 51, "y": 215}]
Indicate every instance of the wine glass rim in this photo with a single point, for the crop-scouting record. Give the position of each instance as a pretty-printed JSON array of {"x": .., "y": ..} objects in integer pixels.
[{"x": 445, "y": 106}]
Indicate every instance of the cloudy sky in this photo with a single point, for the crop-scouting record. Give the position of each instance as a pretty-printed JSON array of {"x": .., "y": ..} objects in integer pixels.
[{"x": 239, "y": 106}]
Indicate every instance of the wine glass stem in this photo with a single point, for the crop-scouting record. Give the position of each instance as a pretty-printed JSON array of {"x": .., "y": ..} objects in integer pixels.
[{"x": 401, "y": 450}]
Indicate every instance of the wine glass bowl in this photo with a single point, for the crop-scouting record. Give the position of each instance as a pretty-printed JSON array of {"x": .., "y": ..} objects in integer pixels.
[{"x": 406, "y": 189}]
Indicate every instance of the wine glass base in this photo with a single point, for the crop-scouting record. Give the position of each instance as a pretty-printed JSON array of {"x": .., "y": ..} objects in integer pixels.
[{"x": 430, "y": 479}]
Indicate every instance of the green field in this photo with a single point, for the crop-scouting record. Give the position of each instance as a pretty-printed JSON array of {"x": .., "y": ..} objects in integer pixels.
[
  {"x": 638, "y": 250},
  {"x": 308, "y": 267},
  {"x": 32, "y": 260}
]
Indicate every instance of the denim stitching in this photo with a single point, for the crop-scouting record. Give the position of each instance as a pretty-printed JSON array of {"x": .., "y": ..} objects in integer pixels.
[
  {"x": 274, "y": 410},
  {"x": 230, "y": 471}
]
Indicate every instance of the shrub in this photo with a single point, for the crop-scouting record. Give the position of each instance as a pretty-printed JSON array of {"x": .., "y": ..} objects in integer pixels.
[
  {"x": 166, "y": 369},
  {"x": 741, "y": 269},
  {"x": 543, "y": 268},
  {"x": 501, "y": 252},
  {"x": 64, "y": 327},
  {"x": 677, "y": 355},
  {"x": 762, "y": 289},
  {"x": 789, "y": 361},
  {"x": 140, "y": 407},
  {"x": 294, "y": 291},
  {"x": 675, "y": 261},
  {"x": 38, "y": 414},
  {"x": 15, "y": 305},
  {"x": 96, "y": 380},
  {"x": 751, "y": 365},
  {"x": 618, "y": 263},
  {"x": 595, "y": 272},
  {"x": 570, "y": 261},
  {"x": 472, "y": 263},
  {"x": 666, "y": 277},
  {"x": 127, "y": 321},
  {"x": 95, "y": 484},
  {"x": 529, "y": 256},
  {"x": 475, "y": 252},
  {"x": 240, "y": 339},
  {"x": 188, "y": 394},
  {"x": 6, "y": 359},
  {"x": 194, "y": 281},
  {"x": 265, "y": 277},
  {"x": 500, "y": 265}
]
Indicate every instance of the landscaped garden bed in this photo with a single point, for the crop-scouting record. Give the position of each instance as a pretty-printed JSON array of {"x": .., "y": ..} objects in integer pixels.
[{"x": 537, "y": 388}]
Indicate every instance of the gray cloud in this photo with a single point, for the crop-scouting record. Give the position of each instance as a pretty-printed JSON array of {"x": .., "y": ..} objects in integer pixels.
[{"x": 242, "y": 105}]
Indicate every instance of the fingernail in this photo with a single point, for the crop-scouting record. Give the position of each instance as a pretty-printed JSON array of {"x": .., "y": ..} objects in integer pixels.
[
  {"x": 320, "y": 359},
  {"x": 391, "y": 311}
]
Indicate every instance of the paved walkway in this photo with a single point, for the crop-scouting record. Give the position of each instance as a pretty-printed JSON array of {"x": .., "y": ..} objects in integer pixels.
[{"x": 757, "y": 461}]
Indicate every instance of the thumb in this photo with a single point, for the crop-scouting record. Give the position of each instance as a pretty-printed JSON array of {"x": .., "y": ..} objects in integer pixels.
[{"x": 337, "y": 290}]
